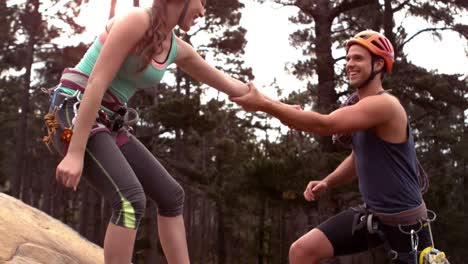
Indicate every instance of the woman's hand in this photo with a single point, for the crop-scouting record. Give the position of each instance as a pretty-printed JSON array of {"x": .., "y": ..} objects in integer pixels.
[
  {"x": 252, "y": 101},
  {"x": 69, "y": 170}
]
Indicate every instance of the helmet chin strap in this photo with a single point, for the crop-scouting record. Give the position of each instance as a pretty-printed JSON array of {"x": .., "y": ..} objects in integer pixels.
[
  {"x": 184, "y": 12},
  {"x": 371, "y": 76}
]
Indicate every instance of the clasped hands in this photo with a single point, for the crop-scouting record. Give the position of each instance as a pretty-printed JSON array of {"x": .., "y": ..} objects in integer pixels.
[{"x": 254, "y": 101}]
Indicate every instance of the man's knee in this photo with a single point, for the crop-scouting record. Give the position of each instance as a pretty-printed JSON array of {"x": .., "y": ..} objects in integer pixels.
[
  {"x": 313, "y": 247},
  {"x": 299, "y": 250}
]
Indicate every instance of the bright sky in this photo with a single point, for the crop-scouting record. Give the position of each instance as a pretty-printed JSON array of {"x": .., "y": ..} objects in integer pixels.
[{"x": 268, "y": 48}]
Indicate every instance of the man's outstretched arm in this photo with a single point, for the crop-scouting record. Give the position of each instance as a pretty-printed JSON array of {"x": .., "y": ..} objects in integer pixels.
[{"x": 367, "y": 113}]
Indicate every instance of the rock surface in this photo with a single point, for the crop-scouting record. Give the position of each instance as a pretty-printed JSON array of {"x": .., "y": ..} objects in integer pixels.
[{"x": 29, "y": 236}]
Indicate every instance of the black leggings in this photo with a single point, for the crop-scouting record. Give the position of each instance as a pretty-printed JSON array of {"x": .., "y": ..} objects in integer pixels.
[{"x": 124, "y": 172}]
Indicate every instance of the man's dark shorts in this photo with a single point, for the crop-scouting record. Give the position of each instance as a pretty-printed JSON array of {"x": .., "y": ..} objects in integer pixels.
[{"x": 338, "y": 229}]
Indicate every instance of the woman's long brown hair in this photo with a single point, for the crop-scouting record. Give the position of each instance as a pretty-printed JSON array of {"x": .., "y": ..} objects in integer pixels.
[{"x": 151, "y": 43}]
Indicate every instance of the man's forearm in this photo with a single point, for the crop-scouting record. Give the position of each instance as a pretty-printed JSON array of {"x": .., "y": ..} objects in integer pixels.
[
  {"x": 304, "y": 120},
  {"x": 343, "y": 174}
]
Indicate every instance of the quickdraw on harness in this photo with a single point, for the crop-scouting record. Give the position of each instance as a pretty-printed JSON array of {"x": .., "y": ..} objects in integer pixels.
[
  {"x": 52, "y": 125},
  {"x": 122, "y": 119},
  {"x": 365, "y": 218},
  {"x": 430, "y": 255}
]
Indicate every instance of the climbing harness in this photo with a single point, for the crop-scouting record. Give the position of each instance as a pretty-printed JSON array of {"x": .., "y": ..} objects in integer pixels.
[
  {"x": 120, "y": 123},
  {"x": 365, "y": 218}
]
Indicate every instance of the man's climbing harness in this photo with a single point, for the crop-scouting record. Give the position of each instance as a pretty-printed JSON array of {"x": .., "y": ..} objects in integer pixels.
[{"x": 419, "y": 217}]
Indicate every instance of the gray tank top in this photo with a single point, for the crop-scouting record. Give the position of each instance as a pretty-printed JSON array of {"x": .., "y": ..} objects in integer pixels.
[{"x": 387, "y": 172}]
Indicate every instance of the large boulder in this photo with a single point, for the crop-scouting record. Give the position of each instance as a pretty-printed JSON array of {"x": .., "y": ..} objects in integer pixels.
[{"x": 29, "y": 236}]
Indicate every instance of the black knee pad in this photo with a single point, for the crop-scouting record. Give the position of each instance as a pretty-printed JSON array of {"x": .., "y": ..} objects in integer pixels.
[{"x": 172, "y": 203}]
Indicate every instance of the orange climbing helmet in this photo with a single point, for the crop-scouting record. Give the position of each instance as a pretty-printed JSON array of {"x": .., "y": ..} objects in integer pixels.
[{"x": 377, "y": 44}]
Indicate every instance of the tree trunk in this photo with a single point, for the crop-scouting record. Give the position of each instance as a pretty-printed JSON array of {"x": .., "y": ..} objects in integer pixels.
[
  {"x": 84, "y": 212},
  {"x": 47, "y": 187},
  {"x": 205, "y": 227},
  {"x": 178, "y": 132},
  {"x": 31, "y": 21},
  {"x": 388, "y": 23},
  {"x": 36, "y": 190},
  {"x": 188, "y": 216},
  {"x": 153, "y": 253},
  {"x": 58, "y": 202},
  {"x": 327, "y": 96},
  {"x": 210, "y": 223},
  {"x": 26, "y": 192},
  {"x": 284, "y": 238},
  {"x": 221, "y": 245},
  {"x": 66, "y": 207},
  {"x": 261, "y": 230},
  {"x": 95, "y": 203}
]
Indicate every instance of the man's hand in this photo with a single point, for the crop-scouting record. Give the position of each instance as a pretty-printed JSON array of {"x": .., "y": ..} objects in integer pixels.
[{"x": 314, "y": 190}]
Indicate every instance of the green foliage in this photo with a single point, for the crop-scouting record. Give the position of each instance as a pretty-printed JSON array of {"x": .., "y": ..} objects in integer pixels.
[
  {"x": 436, "y": 103},
  {"x": 253, "y": 186}
]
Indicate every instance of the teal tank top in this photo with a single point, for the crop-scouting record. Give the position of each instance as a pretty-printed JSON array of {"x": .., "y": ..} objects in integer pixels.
[{"x": 127, "y": 80}]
